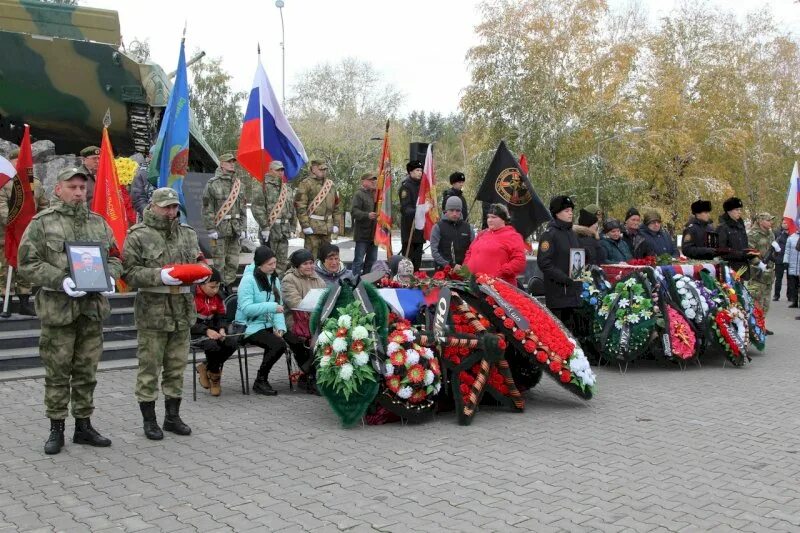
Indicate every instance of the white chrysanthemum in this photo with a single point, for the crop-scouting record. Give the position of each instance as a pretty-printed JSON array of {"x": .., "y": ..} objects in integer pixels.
[
  {"x": 346, "y": 372},
  {"x": 578, "y": 363},
  {"x": 690, "y": 314},
  {"x": 325, "y": 361},
  {"x": 624, "y": 302},
  {"x": 680, "y": 284},
  {"x": 392, "y": 347},
  {"x": 360, "y": 332},
  {"x": 345, "y": 321},
  {"x": 389, "y": 369},
  {"x": 339, "y": 344},
  {"x": 587, "y": 377},
  {"x": 685, "y": 304},
  {"x": 428, "y": 377},
  {"x": 618, "y": 324},
  {"x": 405, "y": 393},
  {"x": 412, "y": 357},
  {"x": 427, "y": 353},
  {"x": 361, "y": 359},
  {"x": 409, "y": 335},
  {"x": 325, "y": 338},
  {"x": 634, "y": 318}
]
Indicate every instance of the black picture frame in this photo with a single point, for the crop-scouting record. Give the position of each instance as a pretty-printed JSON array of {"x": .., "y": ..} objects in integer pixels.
[{"x": 95, "y": 277}]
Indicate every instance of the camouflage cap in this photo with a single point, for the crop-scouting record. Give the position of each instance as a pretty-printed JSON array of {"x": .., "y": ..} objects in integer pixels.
[
  {"x": 68, "y": 173},
  {"x": 764, "y": 216},
  {"x": 276, "y": 165},
  {"x": 227, "y": 156},
  {"x": 89, "y": 151},
  {"x": 165, "y": 197},
  {"x": 14, "y": 154}
]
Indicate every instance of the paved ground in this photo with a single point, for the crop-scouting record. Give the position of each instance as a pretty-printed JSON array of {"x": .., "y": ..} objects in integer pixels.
[{"x": 705, "y": 449}]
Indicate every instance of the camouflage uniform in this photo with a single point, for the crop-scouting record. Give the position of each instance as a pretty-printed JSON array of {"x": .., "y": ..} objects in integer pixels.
[
  {"x": 226, "y": 247},
  {"x": 760, "y": 283},
  {"x": 323, "y": 219},
  {"x": 42, "y": 203},
  {"x": 89, "y": 151},
  {"x": 265, "y": 197},
  {"x": 163, "y": 314},
  {"x": 71, "y": 338}
]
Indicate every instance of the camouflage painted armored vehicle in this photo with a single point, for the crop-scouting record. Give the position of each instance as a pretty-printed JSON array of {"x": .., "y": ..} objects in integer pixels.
[{"x": 61, "y": 68}]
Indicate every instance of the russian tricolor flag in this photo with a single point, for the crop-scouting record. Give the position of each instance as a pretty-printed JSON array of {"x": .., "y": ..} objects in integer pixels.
[
  {"x": 790, "y": 212},
  {"x": 266, "y": 134}
]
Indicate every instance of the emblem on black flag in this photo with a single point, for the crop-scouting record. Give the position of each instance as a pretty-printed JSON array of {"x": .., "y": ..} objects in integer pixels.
[{"x": 510, "y": 187}]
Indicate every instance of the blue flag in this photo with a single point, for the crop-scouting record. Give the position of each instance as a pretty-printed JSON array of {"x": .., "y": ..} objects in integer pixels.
[{"x": 171, "y": 153}]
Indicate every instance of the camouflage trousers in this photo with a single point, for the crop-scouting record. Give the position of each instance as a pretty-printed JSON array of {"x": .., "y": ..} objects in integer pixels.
[
  {"x": 314, "y": 242},
  {"x": 280, "y": 245},
  {"x": 70, "y": 355},
  {"x": 226, "y": 258},
  {"x": 761, "y": 289},
  {"x": 161, "y": 353},
  {"x": 17, "y": 286}
]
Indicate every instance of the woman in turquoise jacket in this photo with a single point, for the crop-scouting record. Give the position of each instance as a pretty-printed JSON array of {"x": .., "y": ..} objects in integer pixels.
[{"x": 260, "y": 308}]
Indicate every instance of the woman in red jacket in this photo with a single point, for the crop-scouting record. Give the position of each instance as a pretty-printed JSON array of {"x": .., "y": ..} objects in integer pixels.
[{"x": 498, "y": 250}]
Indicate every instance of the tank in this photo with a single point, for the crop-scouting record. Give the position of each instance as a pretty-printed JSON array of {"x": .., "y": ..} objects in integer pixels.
[{"x": 62, "y": 67}]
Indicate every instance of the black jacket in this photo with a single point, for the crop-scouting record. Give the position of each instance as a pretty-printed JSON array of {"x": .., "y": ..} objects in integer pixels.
[
  {"x": 595, "y": 253},
  {"x": 700, "y": 239},
  {"x": 781, "y": 236},
  {"x": 733, "y": 242},
  {"x": 455, "y": 192},
  {"x": 630, "y": 238},
  {"x": 649, "y": 243},
  {"x": 363, "y": 204},
  {"x": 553, "y": 259},
  {"x": 409, "y": 193}
]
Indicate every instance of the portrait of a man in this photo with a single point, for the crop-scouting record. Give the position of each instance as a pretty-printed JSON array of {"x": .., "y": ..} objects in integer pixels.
[{"x": 88, "y": 268}]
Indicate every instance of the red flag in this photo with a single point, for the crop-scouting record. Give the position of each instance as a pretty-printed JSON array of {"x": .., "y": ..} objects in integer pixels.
[
  {"x": 427, "y": 214},
  {"x": 22, "y": 207},
  {"x": 523, "y": 163},
  {"x": 107, "y": 201},
  {"x": 383, "y": 195}
]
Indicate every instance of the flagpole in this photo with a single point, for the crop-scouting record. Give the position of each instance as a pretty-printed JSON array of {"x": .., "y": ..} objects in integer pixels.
[{"x": 6, "y": 314}]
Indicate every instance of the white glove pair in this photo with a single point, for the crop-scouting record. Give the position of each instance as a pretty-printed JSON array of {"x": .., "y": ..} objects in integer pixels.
[
  {"x": 69, "y": 287},
  {"x": 167, "y": 279},
  {"x": 308, "y": 231},
  {"x": 265, "y": 235}
]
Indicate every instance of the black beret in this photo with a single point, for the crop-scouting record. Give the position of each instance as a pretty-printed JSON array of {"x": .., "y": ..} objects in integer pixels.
[
  {"x": 701, "y": 206},
  {"x": 732, "y": 203},
  {"x": 632, "y": 212},
  {"x": 456, "y": 177},
  {"x": 411, "y": 165},
  {"x": 559, "y": 203}
]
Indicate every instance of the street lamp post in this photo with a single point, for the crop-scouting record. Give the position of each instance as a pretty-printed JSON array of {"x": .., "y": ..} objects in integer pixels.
[
  {"x": 279, "y": 4},
  {"x": 634, "y": 129}
]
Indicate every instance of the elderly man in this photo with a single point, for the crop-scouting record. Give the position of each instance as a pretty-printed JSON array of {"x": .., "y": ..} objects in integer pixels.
[
  {"x": 317, "y": 204},
  {"x": 451, "y": 236},
  {"x": 71, "y": 338},
  {"x": 273, "y": 209}
]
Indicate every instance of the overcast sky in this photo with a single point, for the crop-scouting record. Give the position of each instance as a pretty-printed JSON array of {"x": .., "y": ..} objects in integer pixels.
[{"x": 418, "y": 45}]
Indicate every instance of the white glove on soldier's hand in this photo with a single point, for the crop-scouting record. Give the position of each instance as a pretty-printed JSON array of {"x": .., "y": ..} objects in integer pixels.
[
  {"x": 776, "y": 246},
  {"x": 213, "y": 235},
  {"x": 335, "y": 229},
  {"x": 69, "y": 287},
  {"x": 167, "y": 279},
  {"x": 113, "y": 287},
  {"x": 265, "y": 235},
  {"x": 761, "y": 266},
  {"x": 308, "y": 231}
]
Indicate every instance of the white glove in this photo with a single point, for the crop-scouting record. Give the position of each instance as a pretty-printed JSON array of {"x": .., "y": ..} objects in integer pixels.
[
  {"x": 167, "y": 279},
  {"x": 265, "y": 235},
  {"x": 335, "y": 229},
  {"x": 213, "y": 235},
  {"x": 761, "y": 266},
  {"x": 776, "y": 246},
  {"x": 69, "y": 287},
  {"x": 308, "y": 231},
  {"x": 113, "y": 287},
  {"x": 201, "y": 281}
]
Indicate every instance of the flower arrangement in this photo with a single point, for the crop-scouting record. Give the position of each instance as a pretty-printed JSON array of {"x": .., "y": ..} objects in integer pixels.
[
  {"x": 126, "y": 170},
  {"x": 683, "y": 341},
  {"x": 630, "y": 310},
  {"x": 693, "y": 305},
  {"x": 757, "y": 327},
  {"x": 730, "y": 327},
  {"x": 546, "y": 341},
  {"x": 412, "y": 372},
  {"x": 343, "y": 350}
]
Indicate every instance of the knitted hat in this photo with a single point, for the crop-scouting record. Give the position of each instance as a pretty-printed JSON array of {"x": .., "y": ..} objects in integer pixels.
[
  {"x": 412, "y": 165},
  {"x": 586, "y": 218},
  {"x": 559, "y": 203},
  {"x": 326, "y": 250},
  {"x": 651, "y": 215},
  {"x": 299, "y": 257},
  {"x": 405, "y": 268},
  {"x": 453, "y": 202},
  {"x": 262, "y": 255},
  {"x": 611, "y": 224},
  {"x": 701, "y": 206},
  {"x": 632, "y": 212},
  {"x": 732, "y": 203},
  {"x": 456, "y": 177},
  {"x": 500, "y": 211}
]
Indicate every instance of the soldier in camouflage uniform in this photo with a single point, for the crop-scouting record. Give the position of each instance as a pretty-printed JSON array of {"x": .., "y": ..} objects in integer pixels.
[
  {"x": 225, "y": 217},
  {"x": 71, "y": 338},
  {"x": 265, "y": 208},
  {"x": 91, "y": 159},
  {"x": 320, "y": 221},
  {"x": 20, "y": 288},
  {"x": 760, "y": 237},
  {"x": 164, "y": 308}
]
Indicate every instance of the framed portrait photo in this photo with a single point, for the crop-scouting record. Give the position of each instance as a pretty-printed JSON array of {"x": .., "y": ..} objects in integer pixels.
[
  {"x": 577, "y": 260},
  {"x": 88, "y": 266}
]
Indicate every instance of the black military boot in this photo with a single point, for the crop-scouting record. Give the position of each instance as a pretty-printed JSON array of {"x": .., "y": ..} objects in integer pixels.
[
  {"x": 56, "y": 439},
  {"x": 25, "y": 306},
  {"x": 151, "y": 429},
  {"x": 262, "y": 386},
  {"x": 172, "y": 420},
  {"x": 86, "y": 434}
]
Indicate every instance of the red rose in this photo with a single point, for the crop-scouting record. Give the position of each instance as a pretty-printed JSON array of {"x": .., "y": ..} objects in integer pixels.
[
  {"x": 519, "y": 334},
  {"x": 420, "y": 275},
  {"x": 565, "y": 376},
  {"x": 529, "y": 346},
  {"x": 499, "y": 313},
  {"x": 555, "y": 366},
  {"x": 541, "y": 356},
  {"x": 508, "y": 323},
  {"x": 464, "y": 388},
  {"x": 484, "y": 322},
  {"x": 491, "y": 301},
  {"x": 439, "y": 275}
]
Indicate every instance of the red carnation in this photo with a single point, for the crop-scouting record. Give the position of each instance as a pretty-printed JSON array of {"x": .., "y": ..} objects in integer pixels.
[
  {"x": 541, "y": 356},
  {"x": 357, "y": 346},
  {"x": 398, "y": 358},
  {"x": 555, "y": 366},
  {"x": 508, "y": 323},
  {"x": 491, "y": 301},
  {"x": 415, "y": 373},
  {"x": 499, "y": 313},
  {"x": 341, "y": 359},
  {"x": 501, "y": 343},
  {"x": 418, "y": 396},
  {"x": 341, "y": 332},
  {"x": 463, "y": 351},
  {"x": 529, "y": 346},
  {"x": 519, "y": 334},
  {"x": 565, "y": 376},
  {"x": 419, "y": 274},
  {"x": 466, "y": 378},
  {"x": 439, "y": 275},
  {"x": 464, "y": 389}
]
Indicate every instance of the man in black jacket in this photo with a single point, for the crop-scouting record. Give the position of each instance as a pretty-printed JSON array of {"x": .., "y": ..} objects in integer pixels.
[
  {"x": 632, "y": 221},
  {"x": 412, "y": 239},
  {"x": 781, "y": 236},
  {"x": 699, "y": 237},
  {"x": 733, "y": 246},
  {"x": 457, "y": 181},
  {"x": 364, "y": 221},
  {"x": 451, "y": 236},
  {"x": 553, "y": 256}
]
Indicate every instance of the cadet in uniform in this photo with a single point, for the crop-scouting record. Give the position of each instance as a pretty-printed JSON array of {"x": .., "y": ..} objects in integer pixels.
[
  {"x": 409, "y": 194},
  {"x": 273, "y": 208},
  {"x": 699, "y": 237},
  {"x": 317, "y": 206},
  {"x": 91, "y": 159},
  {"x": 553, "y": 256},
  {"x": 760, "y": 237},
  {"x": 164, "y": 308},
  {"x": 19, "y": 287},
  {"x": 71, "y": 338},
  {"x": 225, "y": 216}
]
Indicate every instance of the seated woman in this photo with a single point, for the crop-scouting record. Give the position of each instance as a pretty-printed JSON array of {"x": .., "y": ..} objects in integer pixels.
[
  {"x": 210, "y": 333},
  {"x": 329, "y": 267},
  {"x": 260, "y": 308},
  {"x": 297, "y": 282},
  {"x": 498, "y": 250}
]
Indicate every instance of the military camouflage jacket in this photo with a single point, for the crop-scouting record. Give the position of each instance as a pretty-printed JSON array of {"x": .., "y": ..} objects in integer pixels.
[
  {"x": 761, "y": 240},
  {"x": 216, "y": 192},
  {"x": 43, "y": 261},
  {"x": 150, "y": 246},
  {"x": 326, "y": 215},
  {"x": 39, "y": 198},
  {"x": 265, "y": 197}
]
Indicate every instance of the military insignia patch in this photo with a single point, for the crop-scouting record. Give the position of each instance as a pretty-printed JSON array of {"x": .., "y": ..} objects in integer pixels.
[
  {"x": 687, "y": 238},
  {"x": 544, "y": 246},
  {"x": 509, "y": 187},
  {"x": 403, "y": 193}
]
